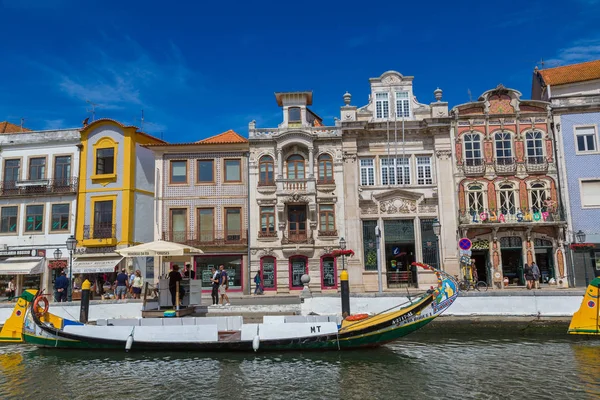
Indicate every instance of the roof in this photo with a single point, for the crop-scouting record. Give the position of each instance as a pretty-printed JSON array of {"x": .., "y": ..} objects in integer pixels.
[
  {"x": 228, "y": 137},
  {"x": 573, "y": 73},
  {"x": 7, "y": 127},
  {"x": 307, "y": 96},
  {"x": 137, "y": 131}
]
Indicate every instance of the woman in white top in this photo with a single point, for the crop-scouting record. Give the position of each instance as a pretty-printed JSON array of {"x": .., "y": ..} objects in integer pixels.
[{"x": 137, "y": 284}]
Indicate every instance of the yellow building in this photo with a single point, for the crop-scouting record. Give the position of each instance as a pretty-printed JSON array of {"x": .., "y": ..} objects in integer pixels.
[{"x": 116, "y": 196}]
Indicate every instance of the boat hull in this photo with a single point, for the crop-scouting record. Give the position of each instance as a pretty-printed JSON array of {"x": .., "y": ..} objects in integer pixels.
[{"x": 586, "y": 320}]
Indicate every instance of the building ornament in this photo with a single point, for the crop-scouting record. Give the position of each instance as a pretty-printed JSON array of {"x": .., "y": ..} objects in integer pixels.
[
  {"x": 398, "y": 206},
  {"x": 267, "y": 251},
  {"x": 326, "y": 250},
  {"x": 349, "y": 157},
  {"x": 443, "y": 154}
]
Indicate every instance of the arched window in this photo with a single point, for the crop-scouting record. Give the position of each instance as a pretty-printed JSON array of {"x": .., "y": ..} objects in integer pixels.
[
  {"x": 268, "y": 272},
  {"x": 328, "y": 272},
  {"x": 539, "y": 195},
  {"x": 325, "y": 168},
  {"x": 508, "y": 198},
  {"x": 472, "y": 143},
  {"x": 503, "y": 148},
  {"x": 535, "y": 147},
  {"x": 266, "y": 167},
  {"x": 294, "y": 114},
  {"x": 475, "y": 199},
  {"x": 295, "y": 167}
]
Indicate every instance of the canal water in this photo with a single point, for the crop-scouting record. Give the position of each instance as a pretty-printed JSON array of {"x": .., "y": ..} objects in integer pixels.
[{"x": 419, "y": 367}]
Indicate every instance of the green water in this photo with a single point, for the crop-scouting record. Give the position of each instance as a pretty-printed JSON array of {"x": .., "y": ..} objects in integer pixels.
[{"x": 423, "y": 366}]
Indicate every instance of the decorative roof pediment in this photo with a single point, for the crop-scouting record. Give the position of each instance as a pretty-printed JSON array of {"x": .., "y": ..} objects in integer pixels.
[
  {"x": 400, "y": 194},
  {"x": 397, "y": 201},
  {"x": 293, "y": 135}
]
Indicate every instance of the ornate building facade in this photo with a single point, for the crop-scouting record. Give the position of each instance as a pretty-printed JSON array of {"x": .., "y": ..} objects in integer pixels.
[
  {"x": 296, "y": 198},
  {"x": 398, "y": 177},
  {"x": 507, "y": 185}
]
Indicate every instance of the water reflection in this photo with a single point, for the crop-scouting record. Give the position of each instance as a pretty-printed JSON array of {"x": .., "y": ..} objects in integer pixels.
[{"x": 420, "y": 368}]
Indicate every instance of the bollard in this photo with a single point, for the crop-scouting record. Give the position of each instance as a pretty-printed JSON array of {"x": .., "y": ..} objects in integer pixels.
[
  {"x": 85, "y": 302},
  {"x": 345, "y": 293}
]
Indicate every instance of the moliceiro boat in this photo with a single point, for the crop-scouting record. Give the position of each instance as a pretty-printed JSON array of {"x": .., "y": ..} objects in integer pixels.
[
  {"x": 44, "y": 329},
  {"x": 586, "y": 320}
]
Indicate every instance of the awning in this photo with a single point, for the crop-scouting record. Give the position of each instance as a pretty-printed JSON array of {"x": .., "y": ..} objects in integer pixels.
[
  {"x": 22, "y": 266},
  {"x": 93, "y": 265}
]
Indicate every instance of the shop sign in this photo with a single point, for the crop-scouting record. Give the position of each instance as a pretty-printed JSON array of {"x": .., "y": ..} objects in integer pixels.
[
  {"x": 23, "y": 253},
  {"x": 519, "y": 216},
  {"x": 95, "y": 250}
]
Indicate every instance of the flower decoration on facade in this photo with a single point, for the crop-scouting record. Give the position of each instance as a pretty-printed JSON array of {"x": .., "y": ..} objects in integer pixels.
[
  {"x": 550, "y": 205},
  {"x": 338, "y": 253},
  {"x": 582, "y": 246}
]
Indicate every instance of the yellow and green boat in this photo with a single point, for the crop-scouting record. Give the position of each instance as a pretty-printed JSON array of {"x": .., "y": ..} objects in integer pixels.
[{"x": 585, "y": 321}]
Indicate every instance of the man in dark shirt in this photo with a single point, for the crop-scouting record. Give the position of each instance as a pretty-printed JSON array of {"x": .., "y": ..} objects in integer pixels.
[
  {"x": 223, "y": 285},
  {"x": 174, "y": 277},
  {"x": 189, "y": 272},
  {"x": 61, "y": 286},
  {"x": 122, "y": 284}
]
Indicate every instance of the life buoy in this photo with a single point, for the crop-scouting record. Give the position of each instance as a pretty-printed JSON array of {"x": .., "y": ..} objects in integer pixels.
[
  {"x": 41, "y": 310},
  {"x": 357, "y": 317}
]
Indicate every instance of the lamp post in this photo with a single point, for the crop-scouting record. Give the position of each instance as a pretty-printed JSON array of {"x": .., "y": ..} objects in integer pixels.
[
  {"x": 437, "y": 230},
  {"x": 345, "y": 285},
  {"x": 580, "y": 235},
  {"x": 343, "y": 247},
  {"x": 378, "y": 244},
  {"x": 71, "y": 244}
]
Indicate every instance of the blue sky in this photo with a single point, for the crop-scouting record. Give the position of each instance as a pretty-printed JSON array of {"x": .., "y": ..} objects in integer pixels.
[{"x": 199, "y": 69}]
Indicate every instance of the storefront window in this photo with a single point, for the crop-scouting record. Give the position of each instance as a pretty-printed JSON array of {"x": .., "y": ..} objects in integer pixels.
[
  {"x": 232, "y": 263},
  {"x": 297, "y": 269},
  {"x": 328, "y": 273},
  {"x": 268, "y": 268},
  {"x": 399, "y": 251},
  {"x": 32, "y": 281}
]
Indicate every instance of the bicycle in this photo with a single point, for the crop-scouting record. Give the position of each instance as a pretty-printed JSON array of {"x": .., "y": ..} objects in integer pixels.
[{"x": 466, "y": 285}]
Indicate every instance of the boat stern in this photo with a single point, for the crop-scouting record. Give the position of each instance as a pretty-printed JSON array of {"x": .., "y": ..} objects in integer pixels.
[
  {"x": 585, "y": 320},
  {"x": 12, "y": 331}
]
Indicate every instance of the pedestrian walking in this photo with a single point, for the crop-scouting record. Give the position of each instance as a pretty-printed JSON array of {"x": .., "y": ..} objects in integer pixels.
[
  {"x": 223, "y": 285},
  {"x": 136, "y": 285},
  {"x": 528, "y": 276},
  {"x": 121, "y": 285},
  {"x": 61, "y": 286},
  {"x": 257, "y": 281},
  {"x": 11, "y": 289},
  {"x": 215, "y": 286},
  {"x": 535, "y": 272}
]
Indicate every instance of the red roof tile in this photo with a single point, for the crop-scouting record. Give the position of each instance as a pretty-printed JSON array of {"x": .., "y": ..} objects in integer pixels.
[
  {"x": 582, "y": 72},
  {"x": 7, "y": 127},
  {"x": 228, "y": 137}
]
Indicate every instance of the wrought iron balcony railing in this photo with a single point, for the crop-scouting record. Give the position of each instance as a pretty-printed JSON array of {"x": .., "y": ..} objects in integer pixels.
[
  {"x": 100, "y": 231},
  {"x": 537, "y": 164},
  {"x": 505, "y": 166},
  {"x": 328, "y": 233},
  {"x": 514, "y": 215},
  {"x": 474, "y": 166},
  {"x": 35, "y": 187},
  {"x": 267, "y": 234},
  {"x": 207, "y": 238},
  {"x": 297, "y": 237}
]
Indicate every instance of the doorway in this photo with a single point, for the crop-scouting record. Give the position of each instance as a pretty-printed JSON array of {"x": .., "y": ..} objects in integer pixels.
[
  {"x": 297, "y": 223},
  {"x": 544, "y": 256},
  {"x": 481, "y": 258}
]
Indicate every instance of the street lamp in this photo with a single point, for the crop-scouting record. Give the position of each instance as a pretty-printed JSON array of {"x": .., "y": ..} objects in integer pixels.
[
  {"x": 580, "y": 235},
  {"x": 71, "y": 244},
  {"x": 57, "y": 254},
  {"x": 437, "y": 229},
  {"x": 343, "y": 247}
]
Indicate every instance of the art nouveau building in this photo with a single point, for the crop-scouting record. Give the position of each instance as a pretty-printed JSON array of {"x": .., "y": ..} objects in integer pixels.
[
  {"x": 296, "y": 198},
  {"x": 397, "y": 176},
  {"x": 507, "y": 186}
]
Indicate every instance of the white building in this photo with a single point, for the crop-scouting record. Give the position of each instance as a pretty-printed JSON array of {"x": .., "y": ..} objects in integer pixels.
[
  {"x": 38, "y": 195},
  {"x": 296, "y": 209}
]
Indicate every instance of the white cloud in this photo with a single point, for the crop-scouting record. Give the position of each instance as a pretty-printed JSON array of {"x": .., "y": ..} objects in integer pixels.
[
  {"x": 54, "y": 124},
  {"x": 579, "y": 51}
]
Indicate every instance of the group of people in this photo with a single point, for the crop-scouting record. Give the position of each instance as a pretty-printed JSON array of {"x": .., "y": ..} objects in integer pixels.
[
  {"x": 532, "y": 276},
  {"x": 124, "y": 283},
  {"x": 220, "y": 284}
]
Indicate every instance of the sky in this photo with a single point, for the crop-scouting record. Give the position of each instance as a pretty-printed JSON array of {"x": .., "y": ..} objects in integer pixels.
[{"x": 199, "y": 69}]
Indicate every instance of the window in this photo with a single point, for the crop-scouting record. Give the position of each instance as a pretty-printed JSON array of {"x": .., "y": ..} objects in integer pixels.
[
  {"x": 507, "y": 199},
  {"x": 105, "y": 161},
  {"x": 328, "y": 273},
  {"x": 326, "y": 218},
  {"x": 325, "y": 168},
  {"x": 395, "y": 171},
  {"x": 267, "y": 221},
  {"x": 369, "y": 245},
  {"x": 103, "y": 219},
  {"x": 233, "y": 224},
  {"x": 535, "y": 147},
  {"x": 472, "y": 143},
  {"x": 62, "y": 169},
  {"x": 590, "y": 193},
  {"x": 298, "y": 268},
  {"x": 206, "y": 225},
  {"x": 586, "y": 139},
  {"x": 367, "y": 172},
  {"x": 8, "y": 219},
  {"x": 295, "y": 167},
  {"x": 266, "y": 174},
  {"x": 538, "y": 197},
  {"x": 178, "y": 172},
  {"x": 382, "y": 107},
  {"x": 424, "y": 176},
  {"x": 60, "y": 217},
  {"x": 233, "y": 171},
  {"x": 205, "y": 172},
  {"x": 268, "y": 272},
  {"x": 12, "y": 169},
  {"x": 294, "y": 114},
  {"x": 475, "y": 199},
  {"x": 178, "y": 222},
  {"x": 503, "y": 148},
  {"x": 37, "y": 168},
  {"x": 402, "y": 105},
  {"x": 34, "y": 218}
]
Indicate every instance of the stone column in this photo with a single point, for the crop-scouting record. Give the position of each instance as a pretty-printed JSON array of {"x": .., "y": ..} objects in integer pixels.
[
  {"x": 311, "y": 161},
  {"x": 279, "y": 163}
]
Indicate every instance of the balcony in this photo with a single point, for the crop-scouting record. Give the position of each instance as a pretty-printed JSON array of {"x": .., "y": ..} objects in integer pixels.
[
  {"x": 267, "y": 234},
  {"x": 208, "y": 238},
  {"x": 551, "y": 214},
  {"x": 536, "y": 165},
  {"x": 474, "y": 167},
  {"x": 295, "y": 185},
  {"x": 99, "y": 235},
  {"x": 505, "y": 166},
  {"x": 297, "y": 237},
  {"x": 37, "y": 187},
  {"x": 326, "y": 234}
]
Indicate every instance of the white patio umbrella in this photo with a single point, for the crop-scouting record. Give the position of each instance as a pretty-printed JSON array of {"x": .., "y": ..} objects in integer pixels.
[{"x": 159, "y": 248}]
